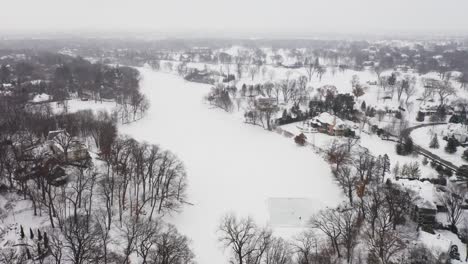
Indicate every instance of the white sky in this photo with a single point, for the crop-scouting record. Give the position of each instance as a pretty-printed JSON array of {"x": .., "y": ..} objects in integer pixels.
[{"x": 253, "y": 16}]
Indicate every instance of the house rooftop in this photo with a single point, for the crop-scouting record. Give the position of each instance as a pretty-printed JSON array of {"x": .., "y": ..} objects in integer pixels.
[{"x": 54, "y": 133}]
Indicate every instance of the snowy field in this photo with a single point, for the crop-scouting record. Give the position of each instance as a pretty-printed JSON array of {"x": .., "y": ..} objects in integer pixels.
[{"x": 231, "y": 166}]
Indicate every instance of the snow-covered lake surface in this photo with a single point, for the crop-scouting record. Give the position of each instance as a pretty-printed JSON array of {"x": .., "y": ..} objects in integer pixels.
[{"x": 231, "y": 166}]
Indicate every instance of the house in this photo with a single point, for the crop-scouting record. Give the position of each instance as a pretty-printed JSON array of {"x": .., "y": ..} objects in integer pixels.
[
  {"x": 41, "y": 98},
  {"x": 266, "y": 103},
  {"x": 431, "y": 83},
  {"x": 329, "y": 124},
  {"x": 424, "y": 213},
  {"x": 430, "y": 108},
  {"x": 65, "y": 147},
  {"x": 203, "y": 76},
  {"x": 457, "y": 131},
  {"x": 425, "y": 203}
]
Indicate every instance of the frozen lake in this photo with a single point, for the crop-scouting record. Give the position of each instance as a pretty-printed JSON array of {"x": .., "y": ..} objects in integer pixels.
[{"x": 231, "y": 166}]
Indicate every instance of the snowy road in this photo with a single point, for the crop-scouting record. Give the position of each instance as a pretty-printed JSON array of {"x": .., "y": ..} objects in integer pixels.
[{"x": 231, "y": 166}]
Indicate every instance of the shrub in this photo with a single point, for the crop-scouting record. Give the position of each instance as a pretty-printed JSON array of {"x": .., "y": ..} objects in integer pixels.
[
  {"x": 448, "y": 172},
  {"x": 300, "y": 139},
  {"x": 398, "y": 115},
  {"x": 425, "y": 161},
  {"x": 455, "y": 119},
  {"x": 400, "y": 149}
]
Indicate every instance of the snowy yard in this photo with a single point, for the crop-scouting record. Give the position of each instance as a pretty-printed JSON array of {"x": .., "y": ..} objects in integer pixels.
[
  {"x": 75, "y": 105},
  {"x": 373, "y": 143},
  {"x": 423, "y": 136},
  {"x": 231, "y": 166}
]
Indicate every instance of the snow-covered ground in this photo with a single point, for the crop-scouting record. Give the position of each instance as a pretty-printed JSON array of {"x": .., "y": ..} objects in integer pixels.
[
  {"x": 372, "y": 142},
  {"x": 231, "y": 166},
  {"x": 75, "y": 105}
]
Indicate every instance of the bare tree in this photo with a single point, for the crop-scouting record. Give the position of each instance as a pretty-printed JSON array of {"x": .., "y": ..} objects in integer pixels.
[
  {"x": 309, "y": 63},
  {"x": 444, "y": 90},
  {"x": 328, "y": 221},
  {"x": 410, "y": 89},
  {"x": 453, "y": 200},
  {"x": 56, "y": 245},
  {"x": 350, "y": 230},
  {"x": 304, "y": 246},
  {"x": 219, "y": 96},
  {"x": 81, "y": 241},
  {"x": 103, "y": 232},
  {"x": 347, "y": 180},
  {"x": 337, "y": 154},
  {"x": 148, "y": 239},
  {"x": 130, "y": 234},
  {"x": 271, "y": 75},
  {"x": 384, "y": 242},
  {"x": 253, "y": 70},
  {"x": 172, "y": 248},
  {"x": 321, "y": 71},
  {"x": 278, "y": 252},
  {"x": 243, "y": 238}
]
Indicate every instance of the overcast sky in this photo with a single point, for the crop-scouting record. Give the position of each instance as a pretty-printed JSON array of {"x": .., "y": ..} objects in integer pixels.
[{"x": 234, "y": 16}]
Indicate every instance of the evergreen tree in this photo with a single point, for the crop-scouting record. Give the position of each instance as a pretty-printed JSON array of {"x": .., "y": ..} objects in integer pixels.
[
  {"x": 385, "y": 165},
  {"x": 363, "y": 106},
  {"x": 434, "y": 142},
  {"x": 462, "y": 174},
  {"x": 46, "y": 240},
  {"x": 420, "y": 117},
  {"x": 396, "y": 170},
  {"x": 21, "y": 232},
  {"x": 451, "y": 146},
  {"x": 405, "y": 147},
  {"x": 39, "y": 235},
  {"x": 425, "y": 161},
  {"x": 465, "y": 155},
  {"x": 39, "y": 250},
  {"x": 28, "y": 254},
  {"x": 31, "y": 234}
]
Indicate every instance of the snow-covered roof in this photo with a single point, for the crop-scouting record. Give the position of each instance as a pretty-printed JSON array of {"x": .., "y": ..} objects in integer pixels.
[
  {"x": 424, "y": 190},
  {"x": 454, "y": 129},
  {"x": 52, "y": 134},
  {"x": 429, "y": 106},
  {"x": 41, "y": 98},
  {"x": 327, "y": 118},
  {"x": 36, "y": 82}
]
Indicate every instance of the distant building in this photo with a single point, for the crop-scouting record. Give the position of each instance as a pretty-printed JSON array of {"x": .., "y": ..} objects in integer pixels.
[{"x": 204, "y": 76}]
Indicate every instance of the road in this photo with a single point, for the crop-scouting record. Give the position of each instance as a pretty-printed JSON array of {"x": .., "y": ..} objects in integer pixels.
[{"x": 422, "y": 151}]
